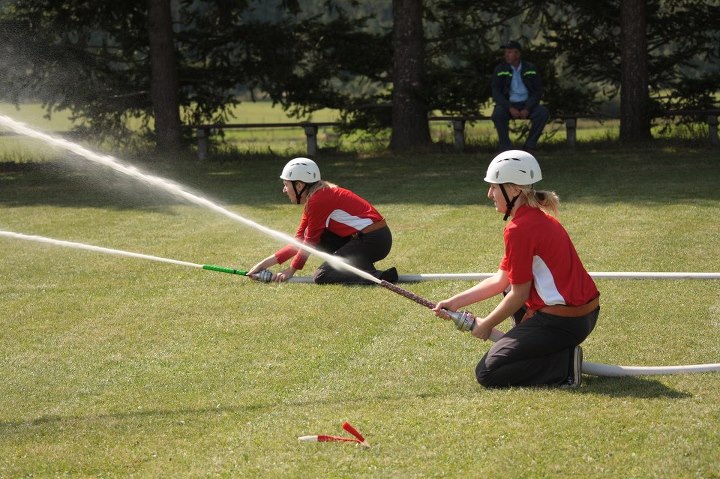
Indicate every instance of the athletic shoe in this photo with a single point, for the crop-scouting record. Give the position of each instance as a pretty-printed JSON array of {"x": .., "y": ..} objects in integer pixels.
[
  {"x": 390, "y": 275},
  {"x": 575, "y": 377}
]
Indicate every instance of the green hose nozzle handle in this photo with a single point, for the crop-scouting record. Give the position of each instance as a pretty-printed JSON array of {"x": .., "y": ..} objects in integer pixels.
[{"x": 223, "y": 269}]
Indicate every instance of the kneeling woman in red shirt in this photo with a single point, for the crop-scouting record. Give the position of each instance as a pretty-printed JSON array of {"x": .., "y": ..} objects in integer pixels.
[
  {"x": 334, "y": 220},
  {"x": 553, "y": 301}
]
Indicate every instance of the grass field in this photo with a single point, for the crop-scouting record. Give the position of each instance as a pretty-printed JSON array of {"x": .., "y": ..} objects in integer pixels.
[{"x": 121, "y": 367}]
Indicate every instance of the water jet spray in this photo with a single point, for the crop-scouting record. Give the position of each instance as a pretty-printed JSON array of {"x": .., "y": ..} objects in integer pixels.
[{"x": 262, "y": 276}]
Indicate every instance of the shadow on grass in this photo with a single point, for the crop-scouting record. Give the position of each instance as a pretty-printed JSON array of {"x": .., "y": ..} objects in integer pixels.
[
  {"x": 647, "y": 175},
  {"x": 631, "y": 386},
  {"x": 9, "y": 427},
  {"x": 73, "y": 186},
  {"x": 610, "y": 386}
]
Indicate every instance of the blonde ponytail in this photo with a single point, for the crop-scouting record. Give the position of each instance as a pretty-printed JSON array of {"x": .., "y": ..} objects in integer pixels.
[{"x": 548, "y": 201}]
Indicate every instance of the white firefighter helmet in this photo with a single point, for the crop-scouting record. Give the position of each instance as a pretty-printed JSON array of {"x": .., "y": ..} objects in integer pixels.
[
  {"x": 301, "y": 169},
  {"x": 514, "y": 166}
]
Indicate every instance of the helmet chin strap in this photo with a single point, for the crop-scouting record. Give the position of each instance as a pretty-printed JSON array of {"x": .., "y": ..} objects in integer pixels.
[
  {"x": 510, "y": 202},
  {"x": 298, "y": 193}
]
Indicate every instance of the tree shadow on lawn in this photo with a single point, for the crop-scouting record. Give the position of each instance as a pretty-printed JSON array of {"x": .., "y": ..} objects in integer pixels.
[
  {"x": 70, "y": 186},
  {"x": 598, "y": 177},
  {"x": 21, "y": 426},
  {"x": 630, "y": 386},
  {"x": 611, "y": 386}
]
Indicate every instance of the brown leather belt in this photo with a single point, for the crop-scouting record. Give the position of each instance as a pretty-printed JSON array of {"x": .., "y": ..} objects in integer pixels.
[
  {"x": 566, "y": 311},
  {"x": 374, "y": 227}
]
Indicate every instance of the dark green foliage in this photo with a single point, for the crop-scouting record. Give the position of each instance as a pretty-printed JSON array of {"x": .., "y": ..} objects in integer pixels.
[
  {"x": 84, "y": 57},
  {"x": 683, "y": 48},
  {"x": 92, "y": 59}
]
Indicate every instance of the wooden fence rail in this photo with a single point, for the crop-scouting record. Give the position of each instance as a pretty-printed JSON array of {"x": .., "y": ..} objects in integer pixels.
[
  {"x": 458, "y": 123},
  {"x": 204, "y": 132}
]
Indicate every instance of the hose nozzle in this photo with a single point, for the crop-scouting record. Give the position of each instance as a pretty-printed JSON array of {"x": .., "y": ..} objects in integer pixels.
[
  {"x": 265, "y": 276},
  {"x": 463, "y": 320}
]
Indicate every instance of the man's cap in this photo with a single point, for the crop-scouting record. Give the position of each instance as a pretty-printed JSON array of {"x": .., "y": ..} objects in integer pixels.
[{"x": 512, "y": 44}]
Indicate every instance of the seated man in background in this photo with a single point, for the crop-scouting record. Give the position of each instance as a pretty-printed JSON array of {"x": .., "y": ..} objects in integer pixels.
[{"x": 517, "y": 89}]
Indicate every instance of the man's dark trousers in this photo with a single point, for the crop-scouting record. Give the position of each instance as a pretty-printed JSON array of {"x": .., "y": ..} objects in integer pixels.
[{"x": 501, "y": 118}]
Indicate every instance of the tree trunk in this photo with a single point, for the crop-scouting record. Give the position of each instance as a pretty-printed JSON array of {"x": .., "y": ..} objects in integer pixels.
[
  {"x": 164, "y": 80},
  {"x": 410, "y": 128},
  {"x": 634, "y": 97}
]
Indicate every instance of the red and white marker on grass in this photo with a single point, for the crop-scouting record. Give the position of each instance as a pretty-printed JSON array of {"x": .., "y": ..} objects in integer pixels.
[{"x": 358, "y": 438}]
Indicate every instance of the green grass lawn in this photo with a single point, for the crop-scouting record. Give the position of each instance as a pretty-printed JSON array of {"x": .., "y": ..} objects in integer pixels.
[{"x": 121, "y": 367}]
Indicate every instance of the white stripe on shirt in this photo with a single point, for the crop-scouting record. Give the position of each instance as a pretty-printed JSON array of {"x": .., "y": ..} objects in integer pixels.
[
  {"x": 342, "y": 216},
  {"x": 545, "y": 283}
]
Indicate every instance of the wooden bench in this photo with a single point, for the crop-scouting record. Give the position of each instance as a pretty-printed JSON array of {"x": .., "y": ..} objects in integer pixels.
[{"x": 458, "y": 124}]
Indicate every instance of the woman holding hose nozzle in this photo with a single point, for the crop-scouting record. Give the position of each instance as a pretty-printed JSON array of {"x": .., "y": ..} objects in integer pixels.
[
  {"x": 334, "y": 220},
  {"x": 553, "y": 300}
]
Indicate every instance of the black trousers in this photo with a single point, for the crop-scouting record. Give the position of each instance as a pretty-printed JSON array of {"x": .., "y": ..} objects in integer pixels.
[
  {"x": 535, "y": 352},
  {"x": 360, "y": 250}
]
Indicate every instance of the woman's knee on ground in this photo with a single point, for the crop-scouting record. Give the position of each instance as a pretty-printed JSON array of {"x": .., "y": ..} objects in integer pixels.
[
  {"x": 484, "y": 374},
  {"x": 324, "y": 275}
]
